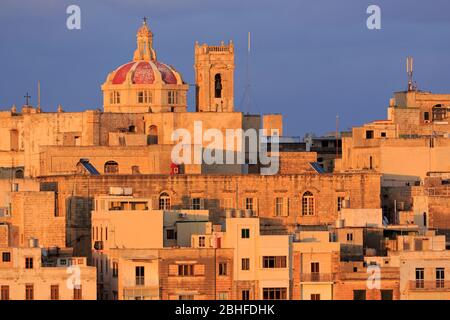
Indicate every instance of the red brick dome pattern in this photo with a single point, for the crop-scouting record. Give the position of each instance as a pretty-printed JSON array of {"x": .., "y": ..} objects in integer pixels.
[{"x": 143, "y": 72}]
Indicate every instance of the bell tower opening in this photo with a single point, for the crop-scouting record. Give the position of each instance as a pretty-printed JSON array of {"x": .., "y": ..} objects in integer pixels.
[
  {"x": 214, "y": 77},
  {"x": 218, "y": 86}
]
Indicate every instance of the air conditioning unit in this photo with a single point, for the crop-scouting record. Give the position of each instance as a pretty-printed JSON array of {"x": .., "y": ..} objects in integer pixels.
[{"x": 62, "y": 262}]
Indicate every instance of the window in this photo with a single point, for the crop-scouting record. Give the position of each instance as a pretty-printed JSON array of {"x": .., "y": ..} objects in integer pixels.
[
  {"x": 245, "y": 264},
  {"x": 111, "y": 167},
  {"x": 186, "y": 270},
  {"x": 383, "y": 134},
  {"x": 223, "y": 269},
  {"x": 424, "y": 219},
  {"x": 186, "y": 297},
  {"x": 223, "y": 295},
  {"x": 6, "y": 256},
  {"x": 440, "y": 277},
  {"x": 274, "y": 293},
  {"x": 218, "y": 86},
  {"x": 152, "y": 135},
  {"x": 172, "y": 97},
  {"x": 369, "y": 134},
  {"x": 315, "y": 271},
  {"x": 164, "y": 201},
  {"x": 4, "y": 292},
  {"x": 249, "y": 204},
  {"x": 54, "y": 292},
  {"x": 245, "y": 295},
  {"x": 340, "y": 202},
  {"x": 28, "y": 263},
  {"x": 272, "y": 262},
  {"x": 387, "y": 294},
  {"x": 114, "y": 97},
  {"x": 29, "y": 292},
  {"x": 281, "y": 206},
  {"x": 359, "y": 294},
  {"x": 19, "y": 174},
  {"x": 140, "y": 276},
  {"x": 278, "y": 206},
  {"x": 307, "y": 204},
  {"x": 196, "y": 204},
  {"x": 349, "y": 237},
  {"x": 370, "y": 163},
  {"x": 171, "y": 234},
  {"x": 426, "y": 116},
  {"x": 245, "y": 233},
  {"x": 201, "y": 241},
  {"x": 439, "y": 113},
  {"x": 144, "y": 97},
  {"x": 77, "y": 293},
  {"x": 420, "y": 277},
  {"x": 315, "y": 296},
  {"x": 115, "y": 269}
]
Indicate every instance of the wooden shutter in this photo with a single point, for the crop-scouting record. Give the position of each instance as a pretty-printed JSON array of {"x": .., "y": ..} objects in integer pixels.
[
  {"x": 286, "y": 206},
  {"x": 173, "y": 270}
]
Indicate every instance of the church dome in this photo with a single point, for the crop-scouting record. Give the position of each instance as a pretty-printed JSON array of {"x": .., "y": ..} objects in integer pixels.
[
  {"x": 144, "y": 84},
  {"x": 145, "y": 72}
]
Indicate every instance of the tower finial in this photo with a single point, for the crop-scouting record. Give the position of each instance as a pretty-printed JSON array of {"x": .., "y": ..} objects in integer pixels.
[{"x": 144, "y": 50}]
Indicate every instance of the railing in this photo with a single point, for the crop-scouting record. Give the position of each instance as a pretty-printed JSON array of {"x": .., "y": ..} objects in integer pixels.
[
  {"x": 141, "y": 292},
  {"x": 439, "y": 285},
  {"x": 222, "y": 48},
  {"x": 316, "y": 277}
]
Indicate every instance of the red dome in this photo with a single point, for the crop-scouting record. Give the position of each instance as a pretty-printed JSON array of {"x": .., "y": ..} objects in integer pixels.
[{"x": 143, "y": 72}]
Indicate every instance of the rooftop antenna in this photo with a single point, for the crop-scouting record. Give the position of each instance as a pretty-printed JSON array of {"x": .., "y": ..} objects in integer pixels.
[
  {"x": 39, "y": 94},
  {"x": 247, "y": 97},
  {"x": 410, "y": 71}
]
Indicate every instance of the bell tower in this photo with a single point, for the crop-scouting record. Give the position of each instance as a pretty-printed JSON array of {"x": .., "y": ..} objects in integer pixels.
[{"x": 214, "y": 77}]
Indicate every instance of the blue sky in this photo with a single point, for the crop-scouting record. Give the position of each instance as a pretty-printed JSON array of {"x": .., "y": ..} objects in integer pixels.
[{"x": 310, "y": 60}]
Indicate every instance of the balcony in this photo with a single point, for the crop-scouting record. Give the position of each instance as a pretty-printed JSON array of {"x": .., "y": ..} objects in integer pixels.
[
  {"x": 432, "y": 285},
  {"x": 141, "y": 293},
  {"x": 317, "y": 277}
]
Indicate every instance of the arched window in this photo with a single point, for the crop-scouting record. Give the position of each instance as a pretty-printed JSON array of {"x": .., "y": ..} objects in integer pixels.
[
  {"x": 153, "y": 135},
  {"x": 19, "y": 174},
  {"x": 164, "y": 201},
  {"x": 308, "y": 204},
  {"x": 111, "y": 167},
  {"x": 218, "y": 85},
  {"x": 439, "y": 112}
]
